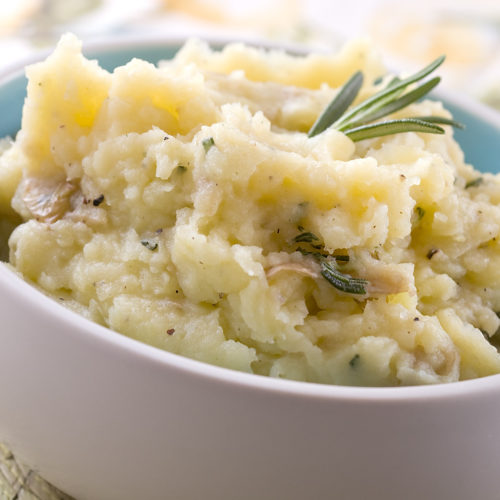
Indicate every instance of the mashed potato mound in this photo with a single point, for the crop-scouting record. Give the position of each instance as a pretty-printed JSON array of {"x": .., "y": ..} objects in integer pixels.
[{"x": 165, "y": 203}]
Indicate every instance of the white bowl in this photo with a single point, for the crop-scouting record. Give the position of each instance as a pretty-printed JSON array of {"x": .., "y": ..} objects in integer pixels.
[{"x": 105, "y": 417}]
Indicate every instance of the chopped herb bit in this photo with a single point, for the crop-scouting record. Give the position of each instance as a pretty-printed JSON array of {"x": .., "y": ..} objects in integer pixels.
[
  {"x": 150, "y": 244},
  {"x": 171, "y": 331},
  {"x": 181, "y": 169},
  {"x": 317, "y": 255},
  {"x": 208, "y": 143},
  {"x": 307, "y": 237},
  {"x": 343, "y": 282},
  {"x": 354, "y": 361},
  {"x": 420, "y": 212},
  {"x": 341, "y": 258},
  {"x": 300, "y": 228},
  {"x": 97, "y": 201},
  {"x": 432, "y": 252},
  {"x": 474, "y": 183}
]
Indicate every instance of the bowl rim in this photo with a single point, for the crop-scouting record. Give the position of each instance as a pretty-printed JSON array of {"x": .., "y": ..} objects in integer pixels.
[{"x": 107, "y": 338}]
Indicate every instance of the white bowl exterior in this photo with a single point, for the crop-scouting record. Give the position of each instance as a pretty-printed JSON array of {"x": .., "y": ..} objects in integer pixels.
[{"x": 105, "y": 417}]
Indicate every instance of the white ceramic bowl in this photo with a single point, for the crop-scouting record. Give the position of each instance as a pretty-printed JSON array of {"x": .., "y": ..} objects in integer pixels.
[{"x": 105, "y": 417}]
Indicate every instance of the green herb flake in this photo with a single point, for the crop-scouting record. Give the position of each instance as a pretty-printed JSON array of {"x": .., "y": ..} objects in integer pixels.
[
  {"x": 474, "y": 183},
  {"x": 420, "y": 213},
  {"x": 150, "y": 244},
  {"x": 354, "y": 361},
  {"x": 208, "y": 143},
  {"x": 341, "y": 258},
  {"x": 305, "y": 237},
  {"x": 181, "y": 169}
]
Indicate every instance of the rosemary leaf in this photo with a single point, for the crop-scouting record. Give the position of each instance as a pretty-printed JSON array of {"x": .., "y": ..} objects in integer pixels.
[
  {"x": 392, "y": 127},
  {"x": 339, "y": 105},
  {"x": 440, "y": 120},
  {"x": 341, "y": 281}
]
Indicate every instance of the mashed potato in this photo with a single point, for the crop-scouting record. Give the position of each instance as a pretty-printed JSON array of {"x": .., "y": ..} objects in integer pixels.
[{"x": 167, "y": 203}]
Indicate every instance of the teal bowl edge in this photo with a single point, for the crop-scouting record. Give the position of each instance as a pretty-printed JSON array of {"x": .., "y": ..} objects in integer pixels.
[{"x": 480, "y": 140}]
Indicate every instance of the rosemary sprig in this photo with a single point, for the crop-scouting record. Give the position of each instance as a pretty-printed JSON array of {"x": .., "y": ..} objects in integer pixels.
[
  {"x": 357, "y": 123},
  {"x": 395, "y": 105},
  {"x": 380, "y": 99},
  {"x": 329, "y": 266}
]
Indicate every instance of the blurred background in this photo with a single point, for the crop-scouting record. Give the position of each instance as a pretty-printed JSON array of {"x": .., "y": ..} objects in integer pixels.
[{"x": 409, "y": 35}]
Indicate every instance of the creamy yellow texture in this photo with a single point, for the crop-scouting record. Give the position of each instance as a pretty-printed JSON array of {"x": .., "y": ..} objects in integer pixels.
[{"x": 163, "y": 203}]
